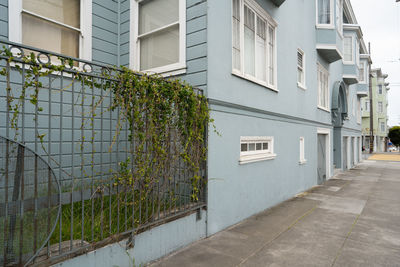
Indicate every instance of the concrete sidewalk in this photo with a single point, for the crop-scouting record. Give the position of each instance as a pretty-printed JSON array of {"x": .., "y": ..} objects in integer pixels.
[{"x": 351, "y": 220}]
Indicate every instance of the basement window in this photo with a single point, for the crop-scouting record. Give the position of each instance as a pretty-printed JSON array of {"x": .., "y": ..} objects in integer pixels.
[{"x": 256, "y": 148}]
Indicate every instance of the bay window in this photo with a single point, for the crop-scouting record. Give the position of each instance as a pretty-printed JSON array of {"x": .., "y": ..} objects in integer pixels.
[
  {"x": 159, "y": 33},
  {"x": 253, "y": 43},
  {"x": 339, "y": 16},
  {"x": 59, "y": 26}
]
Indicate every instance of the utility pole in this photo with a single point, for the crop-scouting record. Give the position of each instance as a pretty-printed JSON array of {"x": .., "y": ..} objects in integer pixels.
[{"x": 371, "y": 106}]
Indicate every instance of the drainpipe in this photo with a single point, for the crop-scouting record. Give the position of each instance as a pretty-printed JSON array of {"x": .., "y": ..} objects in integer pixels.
[{"x": 371, "y": 106}]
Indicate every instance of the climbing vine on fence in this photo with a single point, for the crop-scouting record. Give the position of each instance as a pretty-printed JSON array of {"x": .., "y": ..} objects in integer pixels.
[{"x": 166, "y": 118}]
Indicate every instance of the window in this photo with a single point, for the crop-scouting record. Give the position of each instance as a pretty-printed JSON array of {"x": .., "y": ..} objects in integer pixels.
[
  {"x": 354, "y": 105},
  {"x": 301, "y": 69},
  {"x": 359, "y": 111},
  {"x": 348, "y": 49},
  {"x": 383, "y": 127},
  {"x": 361, "y": 72},
  {"x": 367, "y": 105},
  {"x": 323, "y": 88},
  {"x": 324, "y": 12},
  {"x": 302, "y": 151},
  {"x": 253, "y": 43},
  {"x": 380, "y": 89},
  {"x": 159, "y": 32},
  {"x": 358, "y": 52},
  {"x": 256, "y": 148},
  {"x": 380, "y": 107},
  {"x": 57, "y": 26},
  {"x": 339, "y": 16}
]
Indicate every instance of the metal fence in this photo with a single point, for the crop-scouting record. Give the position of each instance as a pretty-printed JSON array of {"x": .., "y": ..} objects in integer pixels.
[{"x": 62, "y": 150}]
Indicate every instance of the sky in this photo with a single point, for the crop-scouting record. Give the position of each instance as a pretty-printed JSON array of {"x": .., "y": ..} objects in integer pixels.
[{"x": 380, "y": 24}]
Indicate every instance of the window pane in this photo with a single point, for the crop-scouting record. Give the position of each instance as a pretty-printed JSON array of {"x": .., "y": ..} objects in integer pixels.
[
  {"x": 265, "y": 146},
  {"x": 324, "y": 12},
  {"x": 249, "y": 39},
  {"x": 261, "y": 46},
  {"x": 271, "y": 43},
  {"x": 64, "y": 11},
  {"x": 252, "y": 147},
  {"x": 159, "y": 49},
  {"x": 348, "y": 49},
  {"x": 154, "y": 14},
  {"x": 243, "y": 147},
  {"x": 258, "y": 146},
  {"x": 236, "y": 44},
  {"x": 58, "y": 39}
]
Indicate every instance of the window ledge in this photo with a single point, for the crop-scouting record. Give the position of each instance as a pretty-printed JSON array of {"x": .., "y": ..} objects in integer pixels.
[
  {"x": 325, "y": 26},
  {"x": 301, "y": 86},
  {"x": 167, "y": 71},
  {"x": 256, "y": 158},
  {"x": 302, "y": 162},
  {"x": 324, "y": 109},
  {"x": 254, "y": 80}
]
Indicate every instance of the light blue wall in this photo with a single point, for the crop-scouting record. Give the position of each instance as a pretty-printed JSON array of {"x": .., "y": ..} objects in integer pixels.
[{"x": 243, "y": 108}]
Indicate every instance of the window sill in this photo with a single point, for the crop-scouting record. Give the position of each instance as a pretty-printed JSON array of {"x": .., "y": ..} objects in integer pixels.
[
  {"x": 254, "y": 80},
  {"x": 324, "y": 109},
  {"x": 325, "y": 26},
  {"x": 256, "y": 158},
  {"x": 348, "y": 63},
  {"x": 301, "y": 86},
  {"x": 302, "y": 162},
  {"x": 167, "y": 71}
]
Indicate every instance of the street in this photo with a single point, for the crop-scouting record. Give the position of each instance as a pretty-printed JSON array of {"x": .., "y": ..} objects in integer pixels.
[{"x": 351, "y": 220}]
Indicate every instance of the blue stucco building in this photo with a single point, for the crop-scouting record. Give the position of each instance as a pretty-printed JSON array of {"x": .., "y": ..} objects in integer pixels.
[{"x": 283, "y": 79}]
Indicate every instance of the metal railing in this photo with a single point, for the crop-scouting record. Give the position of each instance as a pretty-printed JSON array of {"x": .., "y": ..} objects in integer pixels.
[{"x": 62, "y": 199}]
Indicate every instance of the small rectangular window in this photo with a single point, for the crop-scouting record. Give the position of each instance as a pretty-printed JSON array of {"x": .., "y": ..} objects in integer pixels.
[
  {"x": 256, "y": 148},
  {"x": 380, "y": 107},
  {"x": 361, "y": 77},
  {"x": 383, "y": 127},
  {"x": 380, "y": 89},
  {"x": 323, "y": 87},
  {"x": 300, "y": 69}
]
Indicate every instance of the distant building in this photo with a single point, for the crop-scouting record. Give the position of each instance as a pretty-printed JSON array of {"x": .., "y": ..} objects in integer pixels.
[{"x": 380, "y": 102}]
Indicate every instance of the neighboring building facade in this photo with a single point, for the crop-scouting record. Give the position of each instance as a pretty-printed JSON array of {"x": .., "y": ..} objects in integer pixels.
[
  {"x": 380, "y": 102},
  {"x": 283, "y": 78}
]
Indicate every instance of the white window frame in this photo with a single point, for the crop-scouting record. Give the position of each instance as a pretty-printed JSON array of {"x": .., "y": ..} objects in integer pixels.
[
  {"x": 362, "y": 78},
  {"x": 302, "y": 159},
  {"x": 325, "y": 26},
  {"x": 354, "y": 104},
  {"x": 302, "y": 69},
  {"x": 367, "y": 105},
  {"x": 256, "y": 155},
  {"x": 134, "y": 46},
  {"x": 270, "y": 22},
  {"x": 382, "y": 123},
  {"x": 15, "y": 11},
  {"x": 358, "y": 110},
  {"x": 326, "y": 72},
  {"x": 347, "y": 62},
  {"x": 380, "y": 107}
]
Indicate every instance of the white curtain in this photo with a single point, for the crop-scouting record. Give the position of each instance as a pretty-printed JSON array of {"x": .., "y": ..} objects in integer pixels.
[{"x": 324, "y": 12}]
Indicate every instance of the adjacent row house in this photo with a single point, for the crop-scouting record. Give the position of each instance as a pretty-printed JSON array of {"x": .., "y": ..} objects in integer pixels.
[
  {"x": 284, "y": 81},
  {"x": 380, "y": 104}
]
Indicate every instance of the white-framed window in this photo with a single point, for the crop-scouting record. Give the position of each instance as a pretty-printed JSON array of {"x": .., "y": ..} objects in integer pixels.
[
  {"x": 325, "y": 13},
  {"x": 354, "y": 105},
  {"x": 256, "y": 148},
  {"x": 359, "y": 111},
  {"x": 301, "y": 69},
  {"x": 63, "y": 26},
  {"x": 348, "y": 56},
  {"x": 361, "y": 72},
  {"x": 302, "y": 159},
  {"x": 339, "y": 16},
  {"x": 383, "y": 127},
  {"x": 380, "y": 107},
  {"x": 380, "y": 89},
  {"x": 253, "y": 43},
  {"x": 158, "y": 40},
  {"x": 323, "y": 87},
  {"x": 358, "y": 52},
  {"x": 366, "y": 105}
]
